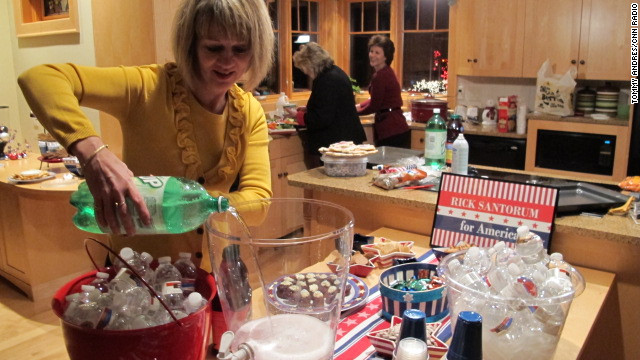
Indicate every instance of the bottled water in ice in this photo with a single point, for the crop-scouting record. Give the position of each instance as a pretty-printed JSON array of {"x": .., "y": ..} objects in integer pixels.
[
  {"x": 498, "y": 278},
  {"x": 556, "y": 260},
  {"x": 477, "y": 260},
  {"x": 172, "y": 294},
  {"x": 165, "y": 272},
  {"x": 84, "y": 310},
  {"x": 101, "y": 282},
  {"x": 132, "y": 302},
  {"x": 133, "y": 259},
  {"x": 529, "y": 246},
  {"x": 188, "y": 271},
  {"x": 149, "y": 275},
  {"x": 123, "y": 281},
  {"x": 194, "y": 302}
]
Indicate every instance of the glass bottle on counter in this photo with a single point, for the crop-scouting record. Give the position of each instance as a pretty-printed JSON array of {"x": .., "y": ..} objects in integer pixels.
[
  {"x": 454, "y": 128},
  {"x": 176, "y": 205},
  {"x": 434, "y": 141}
]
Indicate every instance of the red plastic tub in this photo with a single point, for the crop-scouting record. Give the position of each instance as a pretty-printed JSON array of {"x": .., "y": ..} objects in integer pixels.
[{"x": 169, "y": 341}]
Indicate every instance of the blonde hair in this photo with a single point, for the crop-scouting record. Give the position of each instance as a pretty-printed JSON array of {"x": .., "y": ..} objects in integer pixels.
[
  {"x": 313, "y": 58},
  {"x": 236, "y": 19}
]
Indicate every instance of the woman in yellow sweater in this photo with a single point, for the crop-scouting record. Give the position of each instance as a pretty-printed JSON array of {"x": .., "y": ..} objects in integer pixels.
[{"x": 186, "y": 119}]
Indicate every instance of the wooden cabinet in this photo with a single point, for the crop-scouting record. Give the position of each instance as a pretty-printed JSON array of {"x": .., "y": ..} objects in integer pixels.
[
  {"x": 591, "y": 35},
  {"x": 417, "y": 140},
  {"x": 489, "y": 37},
  {"x": 287, "y": 157}
]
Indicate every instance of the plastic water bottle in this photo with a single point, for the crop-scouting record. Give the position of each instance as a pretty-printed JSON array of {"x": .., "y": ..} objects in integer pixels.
[
  {"x": 84, "y": 310},
  {"x": 101, "y": 282},
  {"x": 149, "y": 274},
  {"x": 176, "y": 205},
  {"x": 188, "y": 271},
  {"x": 166, "y": 272},
  {"x": 529, "y": 245},
  {"x": 435, "y": 138},
  {"x": 460, "y": 161},
  {"x": 133, "y": 259},
  {"x": 280, "y": 103},
  {"x": 194, "y": 302},
  {"x": 123, "y": 281}
]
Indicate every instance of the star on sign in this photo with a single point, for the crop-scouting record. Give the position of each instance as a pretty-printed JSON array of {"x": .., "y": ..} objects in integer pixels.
[{"x": 408, "y": 297}]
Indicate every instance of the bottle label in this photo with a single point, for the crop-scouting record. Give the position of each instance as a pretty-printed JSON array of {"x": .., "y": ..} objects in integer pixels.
[
  {"x": 434, "y": 144},
  {"x": 449, "y": 153},
  {"x": 152, "y": 190},
  {"x": 188, "y": 285},
  {"x": 171, "y": 287}
]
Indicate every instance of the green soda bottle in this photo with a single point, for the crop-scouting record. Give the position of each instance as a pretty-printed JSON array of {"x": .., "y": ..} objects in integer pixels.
[
  {"x": 435, "y": 138},
  {"x": 176, "y": 205}
]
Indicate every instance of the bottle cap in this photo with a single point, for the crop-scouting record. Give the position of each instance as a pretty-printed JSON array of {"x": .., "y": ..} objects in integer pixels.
[
  {"x": 556, "y": 256},
  {"x": 467, "y": 337},
  {"x": 413, "y": 325},
  {"x": 522, "y": 231},
  {"x": 411, "y": 349},
  {"x": 102, "y": 275},
  {"x": 194, "y": 299},
  {"x": 126, "y": 253},
  {"x": 185, "y": 255},
  {"x": 164, "y": 259},
  {"x": 145, "y": 256},
  {"x": 87, "y": 288},
  {"x": 436, "y": 111}
]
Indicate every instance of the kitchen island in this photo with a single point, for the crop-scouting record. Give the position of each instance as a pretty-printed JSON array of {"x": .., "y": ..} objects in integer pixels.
[{"x": 610, "y": 243}]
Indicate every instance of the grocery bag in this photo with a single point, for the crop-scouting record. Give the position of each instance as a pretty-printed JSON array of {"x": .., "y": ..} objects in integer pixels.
[{"x": 554, "y": 92}]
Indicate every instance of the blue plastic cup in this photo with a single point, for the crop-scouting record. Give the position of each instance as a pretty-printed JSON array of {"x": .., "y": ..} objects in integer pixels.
[
  {"x": 413, "y": 325},
  {"x": 467, "y": 337}
]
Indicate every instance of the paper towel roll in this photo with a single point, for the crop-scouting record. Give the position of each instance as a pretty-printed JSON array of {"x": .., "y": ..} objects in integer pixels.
[{"x": 521, "y": 120}]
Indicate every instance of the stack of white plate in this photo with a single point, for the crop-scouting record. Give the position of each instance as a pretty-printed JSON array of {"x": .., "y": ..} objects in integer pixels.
[{"x": 607, "y": 100}]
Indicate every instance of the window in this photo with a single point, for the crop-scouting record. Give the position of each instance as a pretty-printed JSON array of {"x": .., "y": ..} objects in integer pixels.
[
  {"x": 425, "y": 39},
  {"x": 304, "y": 28},
  {"x": 271, "y": 84},
  {"x": 367, "y": 18}
]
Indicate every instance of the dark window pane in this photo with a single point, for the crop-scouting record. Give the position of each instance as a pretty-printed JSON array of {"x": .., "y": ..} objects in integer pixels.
[
  {"x": 314, "y": 16},
  {"x": 304, "y": 15},
  {"x": 410, "y": 15},
  {"x": 273, "y": 12},
  {"x": 270, "y": 84},
  {"x": 425, "y": 57},
  {"x": 294, "y": 15},
  {"x": 442, "y": 14},
  {"x": 384, "y": 16},
  {"x": 301, "y": 82},
  {"x": 425, "y": 21},
  {"x": 370, "y": 16},
  {"x": 356, "y": 17}
]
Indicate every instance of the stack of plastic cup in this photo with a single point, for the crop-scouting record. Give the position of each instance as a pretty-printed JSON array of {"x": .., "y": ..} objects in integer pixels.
[
  {"x": 411, "y": 349},
  {"x": 467, "y": 337}
]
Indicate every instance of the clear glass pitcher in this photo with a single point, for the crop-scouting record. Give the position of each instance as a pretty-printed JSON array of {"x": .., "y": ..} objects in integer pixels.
[{"x": 277, "y": 293}]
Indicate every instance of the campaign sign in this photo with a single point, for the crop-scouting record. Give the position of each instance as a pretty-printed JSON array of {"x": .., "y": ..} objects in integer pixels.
[{"x": 484, "y": 211}]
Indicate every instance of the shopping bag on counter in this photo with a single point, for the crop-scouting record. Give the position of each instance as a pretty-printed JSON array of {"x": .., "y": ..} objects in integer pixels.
[{"x": 554, "y": 92}]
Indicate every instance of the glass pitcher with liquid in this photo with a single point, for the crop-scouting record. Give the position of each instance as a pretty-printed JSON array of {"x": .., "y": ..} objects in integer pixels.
[{"x": 279, "y": 298}]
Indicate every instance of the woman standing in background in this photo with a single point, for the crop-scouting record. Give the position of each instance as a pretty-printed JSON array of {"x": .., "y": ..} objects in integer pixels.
[
  {"x": 330, "y": 114},
  {"x": 390, "y": 127}
]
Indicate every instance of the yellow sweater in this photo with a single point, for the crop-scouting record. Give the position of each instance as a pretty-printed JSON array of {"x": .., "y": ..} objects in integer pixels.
[{"x": 165, "y": 132}]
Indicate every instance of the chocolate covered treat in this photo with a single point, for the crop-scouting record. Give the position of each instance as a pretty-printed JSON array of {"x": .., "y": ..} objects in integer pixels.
[
  {"x": 318, "y": 299},
  {"x": 305, "y": 298},
  {"x": 331, "y": 293},
  {"x": 283, "y": 291}
]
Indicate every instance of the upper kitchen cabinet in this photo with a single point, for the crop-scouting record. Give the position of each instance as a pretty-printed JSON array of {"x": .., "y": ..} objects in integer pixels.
[
  {"x": 489, "y": 37},
  {"x": 591, "y": 35}
]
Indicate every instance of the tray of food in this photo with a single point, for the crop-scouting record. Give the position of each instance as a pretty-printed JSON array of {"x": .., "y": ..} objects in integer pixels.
[{"x": 31, "y": 176}]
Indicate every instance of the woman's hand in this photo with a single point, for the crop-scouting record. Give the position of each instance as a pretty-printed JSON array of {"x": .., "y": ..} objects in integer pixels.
[
  {"x": 111, "y": 184},
  {"x": 291, "y": 112}
]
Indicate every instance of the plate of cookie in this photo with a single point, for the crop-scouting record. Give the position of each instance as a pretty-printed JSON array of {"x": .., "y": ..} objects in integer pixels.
[
  {"x": 348, "y": 149},
  {"x": 313, "y": 292},
  {"x": 31, "y": 176}
]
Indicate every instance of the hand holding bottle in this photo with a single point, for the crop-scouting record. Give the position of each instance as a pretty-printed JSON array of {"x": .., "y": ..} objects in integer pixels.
[{"x": 111, "y": 184}]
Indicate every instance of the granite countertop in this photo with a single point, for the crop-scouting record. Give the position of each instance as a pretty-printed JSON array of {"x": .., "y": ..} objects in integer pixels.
[
  {"x": 610, "y": 227},
  {"x": 578, "y": 119}
]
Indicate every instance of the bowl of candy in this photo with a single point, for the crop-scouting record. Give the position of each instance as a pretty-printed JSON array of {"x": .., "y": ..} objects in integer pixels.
[
  {"x": 522, "y": 293},
  {"x": 384, "y": 341},
  {"x": 413, "y": 286}
]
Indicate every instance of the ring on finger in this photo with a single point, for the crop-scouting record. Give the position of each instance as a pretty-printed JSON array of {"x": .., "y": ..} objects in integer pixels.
[{"x": 118, "y": 204}]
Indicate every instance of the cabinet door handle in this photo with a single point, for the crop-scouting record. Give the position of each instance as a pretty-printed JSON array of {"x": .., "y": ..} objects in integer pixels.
[
  {"x": 573, "y": 61},
  {"x": 280, "y": 176},
  {"x": 469, "y": 60},
  {"x": 421, "y": 140},
  {"x": 286, "y": 174},
  {"x": 475, "y": 60},
  {"x": 582, "y": 62}
]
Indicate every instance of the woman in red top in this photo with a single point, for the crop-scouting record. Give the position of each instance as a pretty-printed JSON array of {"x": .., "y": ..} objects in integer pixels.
[{"x": 390, "y": 127}]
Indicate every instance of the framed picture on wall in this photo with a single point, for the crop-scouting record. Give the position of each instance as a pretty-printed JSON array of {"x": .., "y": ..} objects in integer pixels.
[{"x": 55, "y": 9}]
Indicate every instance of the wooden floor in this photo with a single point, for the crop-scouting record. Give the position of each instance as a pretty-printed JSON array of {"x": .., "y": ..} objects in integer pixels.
[{"x": 28, "y": 330}]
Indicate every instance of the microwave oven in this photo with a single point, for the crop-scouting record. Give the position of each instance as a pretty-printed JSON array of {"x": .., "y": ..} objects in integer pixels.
[{"x": 575, "y": 151}]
